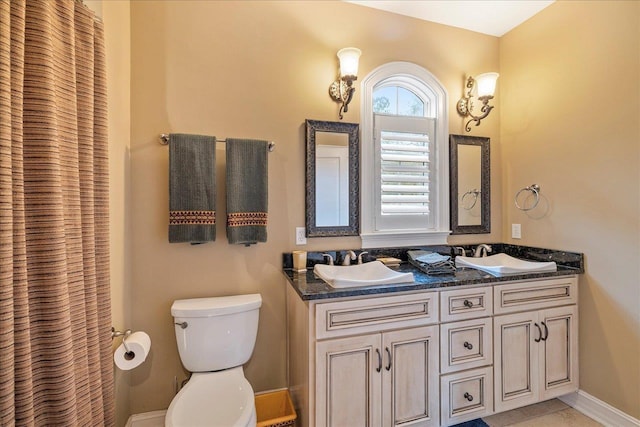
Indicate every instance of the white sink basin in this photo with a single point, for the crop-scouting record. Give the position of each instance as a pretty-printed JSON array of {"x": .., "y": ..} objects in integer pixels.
[
  {"x": 370, "y": 273},
  {"x": 503, "y": 263}
]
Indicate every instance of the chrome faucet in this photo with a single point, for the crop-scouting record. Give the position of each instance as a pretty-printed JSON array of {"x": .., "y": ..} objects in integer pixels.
[
  {"x": 360, "y": 256},
  {"x": 482, "y": 251},
  {"x": 350, "y": 256},
  {"x": 330, "y": 262},
  {"x": 461, "y": 249}
]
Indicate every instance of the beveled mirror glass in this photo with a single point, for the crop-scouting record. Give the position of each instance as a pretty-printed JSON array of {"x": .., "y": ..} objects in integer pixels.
[
  {"x": 332, "y": 180},
  {"x": 470, "y": 184}
]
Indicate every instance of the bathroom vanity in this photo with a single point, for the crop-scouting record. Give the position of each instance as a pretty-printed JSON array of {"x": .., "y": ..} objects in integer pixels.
[{"x": 439, "y": 351}]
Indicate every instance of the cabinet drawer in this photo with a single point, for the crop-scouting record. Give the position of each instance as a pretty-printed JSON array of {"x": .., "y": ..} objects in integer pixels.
[
  {"x": 466, "y": 344},
  {"x": 466, "y": 395},
  {"x": 463, "y": 304},
  {"x": 534, "y": 295},
  {"x": 358, "y": 316}
]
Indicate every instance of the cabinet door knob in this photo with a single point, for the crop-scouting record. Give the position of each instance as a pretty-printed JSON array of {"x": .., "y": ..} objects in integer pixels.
[
  {"x": 468, "y": 397},
  {"x": 468, "y": 303},
  {"x": 388, "y": 367},
  {"x": 379, "y": 368},
  {"x": 539, "y": 333},
  {"x": 468, "y": 345}
]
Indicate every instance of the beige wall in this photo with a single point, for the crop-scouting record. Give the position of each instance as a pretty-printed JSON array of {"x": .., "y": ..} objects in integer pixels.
[
  {"x": 570, "y": 118},
  {"x": 257, "y": 70}
]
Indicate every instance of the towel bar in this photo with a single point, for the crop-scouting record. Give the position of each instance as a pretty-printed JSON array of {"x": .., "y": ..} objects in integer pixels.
[{"x": 164, "y": 140}]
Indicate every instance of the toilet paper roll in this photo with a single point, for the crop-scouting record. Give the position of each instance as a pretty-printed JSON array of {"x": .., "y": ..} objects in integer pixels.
[{"x": 139, "y": 345}]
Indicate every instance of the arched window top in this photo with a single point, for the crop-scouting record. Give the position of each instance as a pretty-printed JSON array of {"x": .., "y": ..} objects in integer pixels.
[
  {"x": 411, "y": 77},
  {"x": 398, "y": 101}
]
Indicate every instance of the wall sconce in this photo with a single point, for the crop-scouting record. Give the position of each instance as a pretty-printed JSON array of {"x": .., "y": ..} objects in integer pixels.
[
  {"x": 483, "y": 87},
  {"x": 342, "y": 90}
]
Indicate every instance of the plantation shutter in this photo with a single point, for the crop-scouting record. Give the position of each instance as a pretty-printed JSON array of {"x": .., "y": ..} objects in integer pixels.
[{"x": 403, "y": 183}]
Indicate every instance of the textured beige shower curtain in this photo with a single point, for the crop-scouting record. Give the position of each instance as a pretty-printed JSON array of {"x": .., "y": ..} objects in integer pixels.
[{"x": 55, "y": 343}]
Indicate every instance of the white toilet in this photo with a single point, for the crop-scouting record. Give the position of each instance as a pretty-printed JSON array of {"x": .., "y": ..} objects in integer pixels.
[{"x": 215, "y": 338}]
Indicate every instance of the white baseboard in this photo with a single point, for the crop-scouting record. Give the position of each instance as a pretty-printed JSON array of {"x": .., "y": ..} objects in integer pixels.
[{"x": 598, "y": 410}]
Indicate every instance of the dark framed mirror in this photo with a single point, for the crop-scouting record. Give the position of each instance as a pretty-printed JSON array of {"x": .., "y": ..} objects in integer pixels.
[
  {"x": 470, "y": 184},
  {"x": 333, "y": 179}
]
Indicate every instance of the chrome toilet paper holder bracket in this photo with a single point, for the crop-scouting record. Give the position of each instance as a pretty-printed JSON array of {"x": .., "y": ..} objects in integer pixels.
[{"x": 124, "y": 336}]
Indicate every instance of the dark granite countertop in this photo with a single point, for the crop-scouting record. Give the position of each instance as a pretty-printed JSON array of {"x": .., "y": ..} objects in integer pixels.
[{"x": 310, "y": 287}]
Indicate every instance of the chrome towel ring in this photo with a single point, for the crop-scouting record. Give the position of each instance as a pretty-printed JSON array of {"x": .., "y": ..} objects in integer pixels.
[
  {"x": 535, "y": 190},
  {"x": 474, "y": 193}
]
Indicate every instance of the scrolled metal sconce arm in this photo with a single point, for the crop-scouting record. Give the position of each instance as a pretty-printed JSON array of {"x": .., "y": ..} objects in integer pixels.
[
  {"x": 342, "y": 91},
  {"x": 485, "y": 110}
]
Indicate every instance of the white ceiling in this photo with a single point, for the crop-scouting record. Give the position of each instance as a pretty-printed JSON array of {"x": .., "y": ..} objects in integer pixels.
[{"x": 493, "y": 17}]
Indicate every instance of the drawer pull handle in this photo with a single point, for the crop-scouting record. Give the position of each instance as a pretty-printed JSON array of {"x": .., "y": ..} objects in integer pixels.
[
  {"x": 468, "y": 397},
  {"x": 388, "y": 367},
  {"x": 379, "y": 368},
  {"x": 468, "y": 303},
  {"x": 468, "y": 345}
]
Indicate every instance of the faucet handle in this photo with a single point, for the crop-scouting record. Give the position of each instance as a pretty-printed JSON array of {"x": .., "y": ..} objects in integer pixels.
[
  {"x": 330, "y": 258},
  {"x": 360, "y": 256},
  {"x": 461, "y": 249}
]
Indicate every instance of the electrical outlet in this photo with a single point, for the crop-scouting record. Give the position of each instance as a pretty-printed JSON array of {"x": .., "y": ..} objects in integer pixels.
[
  {"x": 516, "y": 231},
  {"x": 301, "y": 238}
]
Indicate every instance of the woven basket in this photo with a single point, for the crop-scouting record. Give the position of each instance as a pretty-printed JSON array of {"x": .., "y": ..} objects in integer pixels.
[{"x": 274, "y": 409}]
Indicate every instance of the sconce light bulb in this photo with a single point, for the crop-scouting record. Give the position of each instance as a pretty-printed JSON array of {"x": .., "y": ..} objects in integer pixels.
[
  {"x": 349, "y": 57},
  {"x": 486, "y": 84}
]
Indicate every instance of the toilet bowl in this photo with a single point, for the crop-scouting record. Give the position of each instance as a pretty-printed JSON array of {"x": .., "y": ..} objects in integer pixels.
[
  {"x": 215, "y": 337},
  {"x": 222, "y": 399}
]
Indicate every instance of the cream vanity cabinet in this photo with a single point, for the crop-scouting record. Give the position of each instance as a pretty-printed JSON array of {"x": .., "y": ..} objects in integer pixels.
[
  {"x": 370, "y": 361},
  {"x": 431, "y": 358},
  {"x": 536, "y": 341}
]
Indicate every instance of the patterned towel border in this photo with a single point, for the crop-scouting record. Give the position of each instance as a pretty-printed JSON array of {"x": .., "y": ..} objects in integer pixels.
[
  {"x": 243, "y": 219},
  {"x": 192, "y": 217}
]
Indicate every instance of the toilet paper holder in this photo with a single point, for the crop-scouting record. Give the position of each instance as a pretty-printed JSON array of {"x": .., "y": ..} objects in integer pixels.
[{"x": 124, "y": 336}]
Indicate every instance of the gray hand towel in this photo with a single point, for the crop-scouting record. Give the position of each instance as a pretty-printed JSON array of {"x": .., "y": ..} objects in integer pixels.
[
  {"x": 247, "y": 197},
  {"x": 192, "y": 188}
]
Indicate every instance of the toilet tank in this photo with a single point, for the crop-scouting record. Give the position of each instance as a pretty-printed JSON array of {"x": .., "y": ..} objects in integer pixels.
[{"x": 216, "y": 333}]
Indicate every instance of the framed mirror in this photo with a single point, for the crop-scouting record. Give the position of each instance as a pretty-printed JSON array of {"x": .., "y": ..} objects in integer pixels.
[
  {"x": 470, "y": 184},
  {"x": 333, "y": 179}
]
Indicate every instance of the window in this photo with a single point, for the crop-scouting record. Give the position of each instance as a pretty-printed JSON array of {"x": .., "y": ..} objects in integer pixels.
[
  {"x": 398, "y": 101},
  {"x": 404, "y": 179}
]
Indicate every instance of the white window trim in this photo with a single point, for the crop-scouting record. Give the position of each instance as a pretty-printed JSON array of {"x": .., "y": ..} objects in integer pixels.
[{"x": 408, "y": 73}]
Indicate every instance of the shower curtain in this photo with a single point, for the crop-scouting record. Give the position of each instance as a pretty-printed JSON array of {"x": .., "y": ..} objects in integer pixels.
[{"x": 55, "y": 314}]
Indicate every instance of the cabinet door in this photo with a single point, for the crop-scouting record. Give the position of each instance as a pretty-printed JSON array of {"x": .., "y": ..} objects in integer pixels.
[
  {"x": 516, "y": 338},
  {"x": 410, "y": 380},
  {"x": 348, "y": 381},
  {"x": 559, "y": 373}
]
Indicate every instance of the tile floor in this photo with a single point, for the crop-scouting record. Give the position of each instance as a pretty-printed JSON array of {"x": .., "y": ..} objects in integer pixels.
[{"x": 552, "y": 413}]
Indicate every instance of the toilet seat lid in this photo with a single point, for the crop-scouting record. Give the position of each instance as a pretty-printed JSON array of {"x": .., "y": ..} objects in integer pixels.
[{"x": 223, "y": 398}]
